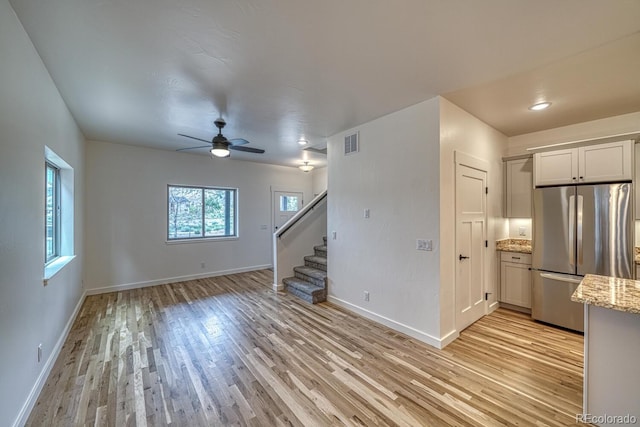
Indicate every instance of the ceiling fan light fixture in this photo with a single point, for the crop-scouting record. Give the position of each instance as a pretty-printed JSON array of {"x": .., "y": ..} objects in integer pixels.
[
  {"x": 306, "y": 167},
  {"x": 540, "y": 106},
  {"x": 220, "y": 150}
]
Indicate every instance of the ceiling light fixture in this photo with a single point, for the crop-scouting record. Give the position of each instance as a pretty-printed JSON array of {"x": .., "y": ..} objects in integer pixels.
[
  {"x": 220, "y": 150},
  {"x": 303, "y": 141},
  {"x": 306, "y": 167},
  {"x": 540, "y": 106}
]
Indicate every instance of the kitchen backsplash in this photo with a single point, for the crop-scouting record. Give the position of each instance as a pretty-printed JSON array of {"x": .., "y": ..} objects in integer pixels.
[{"x": 520, "y": 228}]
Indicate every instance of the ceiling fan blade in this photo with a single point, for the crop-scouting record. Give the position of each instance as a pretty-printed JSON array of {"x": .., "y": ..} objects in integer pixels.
[
  {"x": 238, "y": 141},
  {"x": 193, "y": 148},
  {"x": 246, "y": 149},
  {"x": 193, "y": 137}
]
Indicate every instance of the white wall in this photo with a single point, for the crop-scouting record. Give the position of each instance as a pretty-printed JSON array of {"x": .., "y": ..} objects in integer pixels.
[
  {"x": 127, "y": 215},
  {"x": 514, "y": 228},
  {"x": 461, "y": 131},
  {"x": 319, "y": 179},
  {"x": 32, "y": 114},
  {"x": 395, "y": 176}
]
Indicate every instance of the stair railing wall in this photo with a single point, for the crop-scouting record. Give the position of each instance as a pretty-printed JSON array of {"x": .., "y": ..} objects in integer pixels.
[{"x": 297, "y": 237}]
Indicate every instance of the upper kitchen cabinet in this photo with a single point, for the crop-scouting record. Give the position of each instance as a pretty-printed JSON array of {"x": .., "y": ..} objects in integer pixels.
[
  {"x": 519, "y": 188},
  {"x": 609, "y": 162}
]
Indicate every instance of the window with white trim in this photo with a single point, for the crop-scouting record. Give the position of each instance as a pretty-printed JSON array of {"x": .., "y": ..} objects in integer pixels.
[
  {"x": 52, "y": 212},
  {"x": 58, "y": 213},
  {"x": 201, "y": 212}
]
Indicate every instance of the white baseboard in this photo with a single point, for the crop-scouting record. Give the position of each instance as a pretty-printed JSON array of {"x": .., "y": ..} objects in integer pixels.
[
  {"x": 408, "y": 330},
  {"x": 166, "y": 280},
  {"x": 278, "y": 287},
  {"x": 25, "y": 411},
  {"x": 449, "y": 338}
]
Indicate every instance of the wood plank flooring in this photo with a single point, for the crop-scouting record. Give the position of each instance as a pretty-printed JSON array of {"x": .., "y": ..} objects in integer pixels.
[{"x": 228, "y": 351}]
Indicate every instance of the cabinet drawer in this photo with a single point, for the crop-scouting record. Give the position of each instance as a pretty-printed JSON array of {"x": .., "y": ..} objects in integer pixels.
[{"x": 516, "y": 257}]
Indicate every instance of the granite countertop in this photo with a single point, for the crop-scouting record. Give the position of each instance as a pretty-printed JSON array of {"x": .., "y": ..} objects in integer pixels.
[
  {"x": 522, "y": 246},
  {"x": 609, "y": 292},
  {"x": 637, "y": 254}
]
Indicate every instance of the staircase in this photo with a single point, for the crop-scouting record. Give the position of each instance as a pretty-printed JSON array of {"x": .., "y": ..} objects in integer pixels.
[{"x": 310, "y": 280}]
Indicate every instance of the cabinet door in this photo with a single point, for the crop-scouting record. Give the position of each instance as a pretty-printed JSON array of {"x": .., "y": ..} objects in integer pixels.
[
  {"x": 612, "y": 161},
  {"x": 519, "y": 183},
  {"x": 556, "y": 167},
  {"x": 515, "y": 284}
]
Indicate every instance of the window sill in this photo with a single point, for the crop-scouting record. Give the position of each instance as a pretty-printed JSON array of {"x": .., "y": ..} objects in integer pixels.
[
  {"x": 54, "y": 267},
  {"x": 204, "y": 240}
]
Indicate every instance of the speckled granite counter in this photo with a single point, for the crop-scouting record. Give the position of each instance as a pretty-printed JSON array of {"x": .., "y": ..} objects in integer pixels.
[
  {"x": 522, "y": 246},
  {"x": 609, "y": 292},
  {"x": 611, "y": 345},
  {"x": 637, "y": 255}
]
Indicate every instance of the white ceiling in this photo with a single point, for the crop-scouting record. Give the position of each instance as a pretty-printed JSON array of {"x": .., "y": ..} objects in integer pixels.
[{"x": 140, "y": 72}]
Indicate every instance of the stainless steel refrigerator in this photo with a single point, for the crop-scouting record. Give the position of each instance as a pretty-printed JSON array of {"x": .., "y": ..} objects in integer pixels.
[{"x": 578, "y": 230}]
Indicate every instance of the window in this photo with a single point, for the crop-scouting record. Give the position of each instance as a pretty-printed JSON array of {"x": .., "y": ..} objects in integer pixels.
[
  {"x": 289, "y": 203},
  {"x": 201, "y": 212},
  {"x": 52, "y": 212},
  {"x": 58, "y": 214}
]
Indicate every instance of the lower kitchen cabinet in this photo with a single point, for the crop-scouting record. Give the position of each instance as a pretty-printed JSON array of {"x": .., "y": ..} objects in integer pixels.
[{"x": 515, "y": 279}]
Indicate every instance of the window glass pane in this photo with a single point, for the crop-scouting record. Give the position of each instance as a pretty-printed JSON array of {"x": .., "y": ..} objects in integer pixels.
[
  {"x": 219, "y": 212},
  {"x": 288, "y": 203},
  {"x": 51, "y": 202},
  {"x": 185, "y": 212}
]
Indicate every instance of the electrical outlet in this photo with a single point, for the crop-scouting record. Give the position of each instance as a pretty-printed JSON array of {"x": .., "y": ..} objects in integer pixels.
[
  {"x": 202, "y": 265},
  {"x": 424, "y": 245},
  {"x": 366, "y": 295},
  {"x": 39, "y": 352},
  {"x": 334, "y": 235},
  {"x": 366, "y": 213},
  {"x": 522, "y": 231}
]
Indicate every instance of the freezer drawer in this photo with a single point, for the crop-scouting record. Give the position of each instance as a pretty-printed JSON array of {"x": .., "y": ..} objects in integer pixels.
[{"x": 551, "y": 300}]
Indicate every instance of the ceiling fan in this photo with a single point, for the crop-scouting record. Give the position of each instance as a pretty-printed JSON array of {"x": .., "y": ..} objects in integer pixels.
[{"x": 220, "y": 145}]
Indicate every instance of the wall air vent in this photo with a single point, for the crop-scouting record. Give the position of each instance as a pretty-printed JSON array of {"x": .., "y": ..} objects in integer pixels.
[{"x": 351, "y": 144}]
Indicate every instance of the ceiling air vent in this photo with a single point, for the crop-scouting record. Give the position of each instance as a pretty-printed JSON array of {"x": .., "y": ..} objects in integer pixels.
[{"x": 351, "y": 144}]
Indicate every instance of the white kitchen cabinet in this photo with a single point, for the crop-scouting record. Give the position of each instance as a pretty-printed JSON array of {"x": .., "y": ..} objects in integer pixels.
[
  {"x": 515, "y": 279},
  {"x": 609, "y": 162},
  {"x": 556, "y": 167},
  {"x": 519, "y": 188}
]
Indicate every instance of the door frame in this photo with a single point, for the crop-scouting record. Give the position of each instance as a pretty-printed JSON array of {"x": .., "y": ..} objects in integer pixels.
[{"x": 463, "y": 159}]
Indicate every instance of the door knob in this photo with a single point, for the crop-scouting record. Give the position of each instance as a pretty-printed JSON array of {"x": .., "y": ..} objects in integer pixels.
[{"x": 461, "y": 257}]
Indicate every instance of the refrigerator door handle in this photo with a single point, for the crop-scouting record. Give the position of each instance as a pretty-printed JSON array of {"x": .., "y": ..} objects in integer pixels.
[
  {"x": 579, "y": 219},
  {"x": 560, "y": 278},
  {"x": 572, "y": 227}
]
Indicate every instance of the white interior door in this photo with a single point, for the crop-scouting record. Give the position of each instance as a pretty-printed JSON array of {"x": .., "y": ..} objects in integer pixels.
[
  {"x": 285, "y": 206},
  {"x": 471, "y": 207}
]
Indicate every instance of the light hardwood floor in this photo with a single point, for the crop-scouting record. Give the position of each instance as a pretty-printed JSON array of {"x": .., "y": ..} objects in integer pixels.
[{"x": 227, "y": 351}]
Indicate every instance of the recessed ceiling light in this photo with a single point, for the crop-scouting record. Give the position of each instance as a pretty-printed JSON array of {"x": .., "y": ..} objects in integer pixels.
[
  {"x": 303, "y": 141},
  {"x": 540, "y": 106}
]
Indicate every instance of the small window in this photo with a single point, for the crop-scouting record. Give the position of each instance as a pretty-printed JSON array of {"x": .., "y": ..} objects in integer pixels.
[
  {"x": 289, "y": 203},
  {"x": 52, "y": 212},
  {"x": 201, "y": 212}
]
